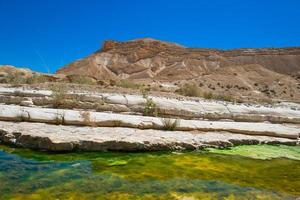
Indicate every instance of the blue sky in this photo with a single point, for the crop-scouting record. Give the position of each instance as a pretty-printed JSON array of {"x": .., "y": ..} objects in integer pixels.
[{"x": 45, "y": 34}]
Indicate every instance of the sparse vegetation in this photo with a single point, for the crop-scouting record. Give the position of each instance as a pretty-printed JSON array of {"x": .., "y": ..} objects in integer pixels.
[
  {"x": 59, "y": 94},
  {"x": 194, "y": 90},
  {"x": 191, "y": 90},
  {"x": 20, "y": 78},
  {"x": 86, "y": 116},
  {"x": 79, "y": 79},
  {"x": 225, "y": 98},
  {"x": 207, "y": 95},
  {"x": 59, "y": 119},
  {"x": 22, "y": 118},
  {"x": 15, "y": 78},
  {"x": 36, "y": 78},
  {"x": 128, "y": 84},
  {"x": 170, "y": 124},
  {"x": 61, "y": 99},
  {"x": 150, "y": 107},
  {"x": 145, "y": 92},
  {"x": 265, "y": 101}
]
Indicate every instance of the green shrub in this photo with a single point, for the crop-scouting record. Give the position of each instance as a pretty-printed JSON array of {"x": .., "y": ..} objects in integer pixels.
[{"x": 150, "y": 108}]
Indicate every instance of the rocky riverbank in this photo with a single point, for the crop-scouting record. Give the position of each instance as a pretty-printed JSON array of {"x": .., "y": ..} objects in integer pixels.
[
  {"x": 69, "y": 138},
  {"x": 30, "y": 118}
]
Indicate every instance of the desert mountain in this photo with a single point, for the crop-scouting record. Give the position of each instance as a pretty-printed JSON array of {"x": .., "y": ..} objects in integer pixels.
[
  {"x": 265, "y": 72},
  {"x": 153, "y": 59}
]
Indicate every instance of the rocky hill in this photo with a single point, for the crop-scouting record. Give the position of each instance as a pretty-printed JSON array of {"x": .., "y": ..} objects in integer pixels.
[
  {"x": 267, "y": 72},
  {"x": 148, "y": 58}
]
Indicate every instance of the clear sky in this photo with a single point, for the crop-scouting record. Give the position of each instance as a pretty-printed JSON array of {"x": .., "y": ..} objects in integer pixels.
[{"x": 45, "y": 34}]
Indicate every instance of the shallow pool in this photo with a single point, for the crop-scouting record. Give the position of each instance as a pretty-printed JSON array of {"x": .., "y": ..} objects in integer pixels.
[{"x": 247, "y": 172}]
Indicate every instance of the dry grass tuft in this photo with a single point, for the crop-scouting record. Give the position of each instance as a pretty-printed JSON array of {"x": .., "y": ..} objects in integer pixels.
[
  {"x": 128, "y": 84},
  {"x": 170, "y": 124},
  {"x": 86, "y": 116},
  {"x": 191, "y": 90}
]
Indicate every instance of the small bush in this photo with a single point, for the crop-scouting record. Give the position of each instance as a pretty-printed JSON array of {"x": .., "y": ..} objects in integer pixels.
[
  {"x": 150, "y": 107},
  {"x": 61, "y": 98},
  {"x": 59, "y": 119},
  {"x": 79, "y": 79},
  {"x": 128, "y": 84},
  {"x": 22, "y": 118},
  {"x": 265, "y": 101},
  {"x": 169, "y": 124},
  {"x": 86, "y": 116},
  {"x": 225, "y": 98},
  {"x": 59, "y": 94},
  {"x": 208, "y": 95},
  {"x": 191, "y": 90}
]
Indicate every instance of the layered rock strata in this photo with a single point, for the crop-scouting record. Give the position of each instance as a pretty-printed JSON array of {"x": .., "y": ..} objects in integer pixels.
[
  {"x": 168, "y": 107},
  {"x": 70, "y": 138},
  {"x": 28, "y": 119}
]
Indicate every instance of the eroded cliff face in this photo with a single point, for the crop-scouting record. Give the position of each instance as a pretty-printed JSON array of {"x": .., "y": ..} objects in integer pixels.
[{"x": 153, "y": 59}]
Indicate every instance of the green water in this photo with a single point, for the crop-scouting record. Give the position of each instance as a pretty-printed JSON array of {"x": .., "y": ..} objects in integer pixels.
[{"x": 246, "y": 172}]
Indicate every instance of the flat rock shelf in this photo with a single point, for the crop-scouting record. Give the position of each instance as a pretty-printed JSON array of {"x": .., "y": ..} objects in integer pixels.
[
  {"x": 68, "y": 138},
  {"x": 116, "y": 122}
]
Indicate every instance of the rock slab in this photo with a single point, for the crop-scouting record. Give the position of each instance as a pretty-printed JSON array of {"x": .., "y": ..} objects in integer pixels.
[{"x": 69, "y": 138}]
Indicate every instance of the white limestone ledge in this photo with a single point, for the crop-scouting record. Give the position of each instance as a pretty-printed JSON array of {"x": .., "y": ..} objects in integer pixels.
[
  {"x": 100, "y": 119},
  {"x": 69, "y": 138},
  {"x": 206, "y": 109}
]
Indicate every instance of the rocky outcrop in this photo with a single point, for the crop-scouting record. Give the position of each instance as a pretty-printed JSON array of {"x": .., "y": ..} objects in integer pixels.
[
  {"x": 70, "y": 138},
  {"x": 99, "y": 119},
  {"x": 167, "y": 107},
  {"x": 105, "y": 121}
]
